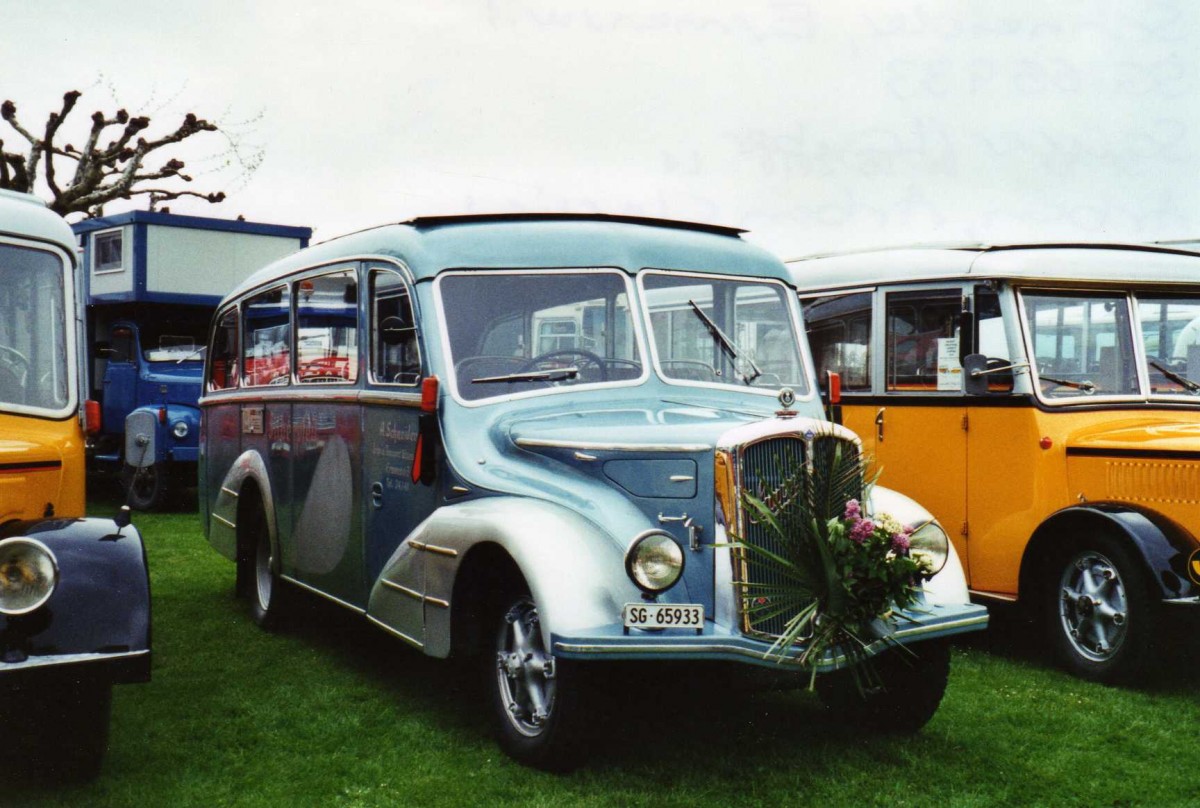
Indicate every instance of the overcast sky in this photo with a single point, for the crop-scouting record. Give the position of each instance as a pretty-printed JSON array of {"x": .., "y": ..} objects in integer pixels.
[{"x": 817, "y": 126}]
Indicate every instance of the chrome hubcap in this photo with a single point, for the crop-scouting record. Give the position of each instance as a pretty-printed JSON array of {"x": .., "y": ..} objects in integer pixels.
[
  {"x": 1093, "y": 606},
  {"x": 524, "y": 671}
]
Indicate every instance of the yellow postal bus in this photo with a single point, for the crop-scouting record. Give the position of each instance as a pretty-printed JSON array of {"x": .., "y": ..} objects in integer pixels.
[{"x": 1044, "y": 402}]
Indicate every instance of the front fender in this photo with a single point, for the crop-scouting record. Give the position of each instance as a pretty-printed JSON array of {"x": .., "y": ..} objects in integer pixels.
[
  {"x": 100, "y": 609},
  {"x": 574, "y": 569},
  {"x": 1162, "y": 546},
  {"x": 949, "y": 585}
]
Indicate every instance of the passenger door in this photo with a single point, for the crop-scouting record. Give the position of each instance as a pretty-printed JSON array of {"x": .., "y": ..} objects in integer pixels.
[{"x": 396, "y": 501}]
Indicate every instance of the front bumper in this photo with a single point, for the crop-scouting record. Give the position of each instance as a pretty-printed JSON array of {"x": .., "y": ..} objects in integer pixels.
[
  {"x": 721, "y": 643},
  {"x": 118, "y": 667}
]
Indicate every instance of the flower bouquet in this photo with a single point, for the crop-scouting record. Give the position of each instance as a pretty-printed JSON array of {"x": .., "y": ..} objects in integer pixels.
[{"x": 837, "y": 574}]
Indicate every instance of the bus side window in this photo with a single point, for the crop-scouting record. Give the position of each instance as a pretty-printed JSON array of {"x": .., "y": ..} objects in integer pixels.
[
  {"x": 395, "y": 356},
  {"x": 327, "y": 329},
  {"x": 266, "y": 338},
  {"x": 918, "y": 323},
  {"x": 223, "y": 368},
  {"x": 839, "y": 333}
]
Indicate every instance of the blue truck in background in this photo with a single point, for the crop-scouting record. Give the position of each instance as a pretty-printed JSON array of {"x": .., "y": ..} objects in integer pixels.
[{"x": 151, "y": 282}]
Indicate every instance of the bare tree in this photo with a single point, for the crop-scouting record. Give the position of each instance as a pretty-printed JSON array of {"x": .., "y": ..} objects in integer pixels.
[{"x": 117, "y": 160}]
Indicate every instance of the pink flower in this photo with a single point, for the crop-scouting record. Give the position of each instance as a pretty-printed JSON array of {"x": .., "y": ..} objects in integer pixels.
[
  {"x": 862, "y": 531},
  {"x": 900, "y": 542},
  {"x": 853, "y": 511}
]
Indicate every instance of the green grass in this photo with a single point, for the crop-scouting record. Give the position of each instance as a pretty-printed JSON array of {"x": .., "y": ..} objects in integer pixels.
[{"x": 333, "y": 712}]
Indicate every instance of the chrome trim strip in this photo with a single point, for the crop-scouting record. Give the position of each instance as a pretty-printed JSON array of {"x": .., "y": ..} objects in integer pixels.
[
  {"x": 223, "y": 520},
  {"x": 587, "y": 458},
  {"x": 325, "y": 595},
  {"x": 442, "y": 551},
  {"x": 403, "y": 590},
  {"x": 682, "y": 478},
  {"x": 445, "y": 604},
  {"x": 397, "y": 399},
  {"x": 595, "y": 446},
  {"x": 1194, "y": 600},
  {"x": 394, "y": 633},
  {"x": 230, "y": 492},
  {"x": 69, "y": 659},
  {"x": 979, "y": 593}
]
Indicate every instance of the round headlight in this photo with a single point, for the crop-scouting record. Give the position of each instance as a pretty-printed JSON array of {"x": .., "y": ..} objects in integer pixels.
[
  {"x": 180, "y": 429},
  {"x": 929, "y": 543},
  {"x": 654, "y": 561},
  {"x": 28, "y": 575}
]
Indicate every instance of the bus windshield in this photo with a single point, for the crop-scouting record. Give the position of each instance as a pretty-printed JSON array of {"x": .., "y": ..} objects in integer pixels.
[
  {"x": 514, "y": 332},
  {"x": 724, "y": 331},
  {"x": 1084, "y": 344},
  {"x": 33, "y": 345}
]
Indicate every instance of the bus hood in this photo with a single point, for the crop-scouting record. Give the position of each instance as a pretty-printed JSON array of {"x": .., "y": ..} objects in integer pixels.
[{"x": 1141, "y": 437}]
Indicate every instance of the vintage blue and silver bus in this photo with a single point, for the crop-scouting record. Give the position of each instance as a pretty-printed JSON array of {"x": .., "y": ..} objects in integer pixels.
[
  {"x": 524, "y": 440},
  {"x": 74, "y": 592}
]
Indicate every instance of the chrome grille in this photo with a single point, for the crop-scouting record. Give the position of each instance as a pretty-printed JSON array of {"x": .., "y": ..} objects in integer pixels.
[{"x": 773, "y": 470}]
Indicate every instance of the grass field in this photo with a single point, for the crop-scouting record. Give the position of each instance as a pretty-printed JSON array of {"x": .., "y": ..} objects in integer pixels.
[{"x": 333, "y": 712}]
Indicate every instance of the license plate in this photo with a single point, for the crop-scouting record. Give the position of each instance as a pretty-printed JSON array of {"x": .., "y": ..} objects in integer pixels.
[{"x": 663, "y": 615}]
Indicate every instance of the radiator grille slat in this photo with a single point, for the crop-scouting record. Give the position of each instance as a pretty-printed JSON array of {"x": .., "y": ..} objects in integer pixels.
[{"x": 773, "y": 471}]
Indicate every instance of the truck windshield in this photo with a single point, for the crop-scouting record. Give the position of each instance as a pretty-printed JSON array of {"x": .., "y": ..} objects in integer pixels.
[
  {"x": 514, "y": 332},
  {"x": 724, "y": 331},
  {"x": 33, "y": 345},
  {"x": 1084, "y": 345}
]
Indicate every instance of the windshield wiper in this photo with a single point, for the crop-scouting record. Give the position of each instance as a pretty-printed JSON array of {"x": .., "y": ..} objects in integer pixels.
[
  {"x": 1085, "y": 386},
  {"x": 555, "y": 375},
  {"x": 1182, "y": 381},
  {"x": 726, "y": 345}
]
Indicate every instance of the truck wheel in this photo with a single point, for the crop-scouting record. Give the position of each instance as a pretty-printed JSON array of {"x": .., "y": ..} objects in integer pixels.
[
  {"x": 535, "y": 697},
  {"x": 145, "y": 488},
  {"x": 909, "y": 689},
  {"x": 1100, "y": 613}
]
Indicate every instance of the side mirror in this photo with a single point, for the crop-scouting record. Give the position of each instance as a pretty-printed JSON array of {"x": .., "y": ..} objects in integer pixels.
[{"x": 975, "y": 370}]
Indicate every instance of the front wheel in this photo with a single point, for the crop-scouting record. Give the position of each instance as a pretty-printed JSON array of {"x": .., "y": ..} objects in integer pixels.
[
  {"x": 145, "y": 488},
  {"x": 899, "y": 694},
  {"x": 535, "y": 697},
  {"x": 1100, "y": 613}
]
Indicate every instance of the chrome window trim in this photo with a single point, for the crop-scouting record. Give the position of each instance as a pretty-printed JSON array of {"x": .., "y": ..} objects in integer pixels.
[
  {"x": 72, "y": 333},
  {"x": 448, "y": 356},
  {"x": 790, "y": 300},
  {"x": 311, "y": 394}
]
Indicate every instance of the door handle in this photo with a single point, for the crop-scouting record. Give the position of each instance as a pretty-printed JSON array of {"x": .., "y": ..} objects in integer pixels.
[
  {"x": 377, "y": 495},
  {"x": 879, "y": 424}
]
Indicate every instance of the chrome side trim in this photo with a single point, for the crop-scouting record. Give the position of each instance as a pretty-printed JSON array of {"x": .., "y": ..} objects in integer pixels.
[
  {"x": 595, "y": 446},
  {"x": 1192, "y": 601},
  {"x": 68, "y": 659},
  {"x": 230, "y": 492},
  {"x": 682, "y": 478},
  {"x": 432, "y": 548},
  {"x": 979, "y": 593},
  {"x": 414, "y": 642},
  {"x": 326, "y": 595},
  {"x": 403, "y": 590},
  {"x": 223, "y": 520}
]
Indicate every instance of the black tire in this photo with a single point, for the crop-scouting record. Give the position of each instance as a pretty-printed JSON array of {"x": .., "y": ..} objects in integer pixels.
[
  {"x": 537, "y": 700},
  {"x": 1100, "y": 614},
  {"x": 905, "y": 691},
  {"x": 84, "y": 729},
  {"x": 268, "y": 593},
  {"x": 145, "y": 488}
]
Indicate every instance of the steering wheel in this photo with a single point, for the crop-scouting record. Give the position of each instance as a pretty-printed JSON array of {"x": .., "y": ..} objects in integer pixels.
[
  {"x": 15, "y": 362},
  {"x": 588, "y": 357}
]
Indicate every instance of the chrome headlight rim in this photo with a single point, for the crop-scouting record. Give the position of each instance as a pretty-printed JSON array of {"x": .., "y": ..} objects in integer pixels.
[
  {"x": 637, "y": 556},
  {"x": 929, "y": 541},
  {"x": 180, "y": 429},
  {"x": 44, "y": 551}
]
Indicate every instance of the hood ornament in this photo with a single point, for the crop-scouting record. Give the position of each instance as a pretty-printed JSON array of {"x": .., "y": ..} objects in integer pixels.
[{"x": 787, "y": 397}]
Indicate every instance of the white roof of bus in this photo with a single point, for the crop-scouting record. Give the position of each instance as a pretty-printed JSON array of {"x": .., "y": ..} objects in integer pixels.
[
  {"x": 1113, "y": 263},
  {"x": 26, "y": 216}
]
